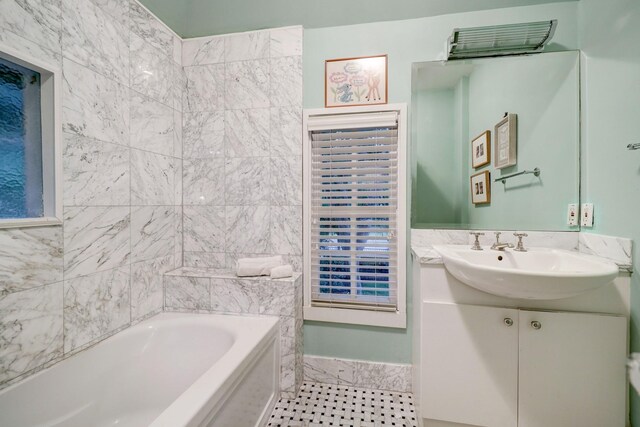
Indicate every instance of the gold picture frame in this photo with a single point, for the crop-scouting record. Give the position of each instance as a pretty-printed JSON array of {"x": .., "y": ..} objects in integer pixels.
[
  {"x": 505, "y": 140},
  {"x": 357, "y": 81},
  {"x": 481, "y": 188},
  {"x": 481, "y": 149}
]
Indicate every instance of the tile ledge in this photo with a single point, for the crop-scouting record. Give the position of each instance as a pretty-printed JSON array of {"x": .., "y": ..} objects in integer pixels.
[{"x": 217, "y": 273}]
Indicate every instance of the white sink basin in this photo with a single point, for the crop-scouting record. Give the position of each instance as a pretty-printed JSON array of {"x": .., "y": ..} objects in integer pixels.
[{"x": 539, "y": 273}]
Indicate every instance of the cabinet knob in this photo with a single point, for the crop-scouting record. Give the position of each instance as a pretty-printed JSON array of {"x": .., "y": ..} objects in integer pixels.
[
  {"x": 536, "y": 325},
  {"x": 508, "y": 321}
]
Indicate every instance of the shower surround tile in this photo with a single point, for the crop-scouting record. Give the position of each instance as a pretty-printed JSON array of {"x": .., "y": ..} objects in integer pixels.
[
  {"x": 152, "y": 232},
  {"x": 30, "y": 329},
  {"x": 286, "y": 81},
  {"x": 29, "y": 258},
  {"x": 247, "y": 84},
  {"x": 204, "y": 134},
  {"x": 187, "y": 293},
  {"x": 95, "y": 239},
  {"x": 247, "y": 181},
  {"x": 203, "y": 51},
  {"x": 95, "y": 173},
  {"x": 153, "y": 178},
  {"x": 91, "y": 39},
  {"x": 151, "y": 30},
  {"x": 37, "y": 20},
  {"x": 95, "y": 306},
  {"x": 117, "y": 9},
  {"x": 204, "y": 89},
  {"x": 286, "y": 42},
  {"x": 247, "y": 133},
  {"x": 204, "y": 229},
  {"x": 286, "y": 230},
  {"x": 34, "y": 50},
  {"x": 286, "y": 180},
  {"x": 147, "y": 294},
  {"x": 286, "y": 131},
  {"x": 151, "y": 72},
  {"x": 153, "y": 125},
  {"x": 244, "y": 46},
  {"x": 204, "y": 181},
  {"x": 94, "y": 106},
  {"x": 247, "y": 229}
]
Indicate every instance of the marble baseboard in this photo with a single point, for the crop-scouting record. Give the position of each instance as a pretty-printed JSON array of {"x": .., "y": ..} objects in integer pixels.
[{"x": 358, "y": 373}]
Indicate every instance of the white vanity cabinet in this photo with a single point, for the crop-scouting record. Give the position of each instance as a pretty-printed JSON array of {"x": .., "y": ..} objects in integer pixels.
[
  {"x": 500, "y": 367},
  {"x": 484, "y": 360}
]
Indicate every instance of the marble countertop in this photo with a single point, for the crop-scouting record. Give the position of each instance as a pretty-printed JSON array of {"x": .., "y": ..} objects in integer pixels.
[{"x": 221, "y": 274}]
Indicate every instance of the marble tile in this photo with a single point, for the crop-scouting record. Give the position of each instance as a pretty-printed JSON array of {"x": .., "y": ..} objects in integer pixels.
[
  {"x": 429, "y": 237},
  {"x": 426, "y": 255},
  {"x": 236, "y": 296},
  {"x": 147, "y": 292},
  {"x": 178, "y": 136},
  {"x": 178, "y": 182},
  {"x": 204, "y": 181},
  {"x": 95, "y": 239},
  {"x": 328, "y": 370},
  {"x": 178, "y": 86},
  {"x": 247, "y": 132},
  {"x": 277, "y": 298},
  {"x": 187, "y": 293},
  {"x": 153, "y": 127},
  {"x": 94, "y": 106},
  {"x": 44, "y": 54},
  {"x": 30, "y": 257},
  {"x": 150, "y": 29},
  {"x": 204, "y": 228},
  {"x": 117, "y": 9},
  {"x": 152, "y": 178},
  {"x": 204, "y": 259},
  {"x": 152, "y": 232},
  {"x": 286, "y": 42},
  {"x": 286, "y": 131},
  {"x": 151, "y": 73},
  {"x": 244, "y": 46},
  {"x": 37, "y": 20},
  {"x": 247, "y": 84},
  {"x": 247, "y": 181},
  {"x": 178, "y": 246},
  {"x": 286, "y": 230},
  {"x": 95, "y": 306},
  {"x": 204, "y": 88},
  {"x": 247, "y": 229},
  {"x": 95, "y": 173},
  {"x": 94, "y": 39},
  {"x": 286, "y": 181},
  {"x": 616, "y": 249},
  {"x": 30, "y": 329},
  {"x": 203, "y": 51},
  {"x": 177, "y": 49},
  {"x": 286, "y": 81},
  {"x": 550, "y": 239},
  {"x": 204, "y": 134}
]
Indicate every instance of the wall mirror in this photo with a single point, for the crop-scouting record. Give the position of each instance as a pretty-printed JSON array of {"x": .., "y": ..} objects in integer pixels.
[{"x": 463, "y": 145}]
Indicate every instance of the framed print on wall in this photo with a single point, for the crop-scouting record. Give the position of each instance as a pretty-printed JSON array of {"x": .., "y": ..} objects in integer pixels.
[
  {"x": 506, "y": 132},
  {"x": 481, "y": 149},
  {"x": 355, "y": 81},
  {"x": 481, "y": 188}
]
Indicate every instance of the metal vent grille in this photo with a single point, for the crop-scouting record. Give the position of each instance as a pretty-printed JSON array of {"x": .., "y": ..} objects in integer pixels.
[{"x": 500, "y": 40}]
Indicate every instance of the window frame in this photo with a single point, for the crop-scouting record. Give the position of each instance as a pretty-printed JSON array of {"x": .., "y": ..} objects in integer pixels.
[
  {"x": 51, "y": 119},
  {"x": 394, "y": 319}
]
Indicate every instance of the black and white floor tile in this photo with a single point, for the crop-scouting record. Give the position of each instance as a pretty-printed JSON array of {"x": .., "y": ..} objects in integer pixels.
[{"x": 338, "y": 405}]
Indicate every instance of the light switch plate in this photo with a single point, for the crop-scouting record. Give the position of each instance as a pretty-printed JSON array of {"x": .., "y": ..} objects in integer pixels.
[
  {"x": 572, "y": 215},
  {"x": 586, "y": 215}
]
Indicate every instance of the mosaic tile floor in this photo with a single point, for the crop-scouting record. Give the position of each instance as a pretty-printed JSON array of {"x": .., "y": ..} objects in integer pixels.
[{"x": 336, "y": 405}]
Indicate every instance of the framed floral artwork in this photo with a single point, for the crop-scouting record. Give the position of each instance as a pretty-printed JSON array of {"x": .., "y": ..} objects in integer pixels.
[
  {"x": 481, "y": 149},
  {"x": 355, "y": 81},
  {"x": 481, "y": 188}
]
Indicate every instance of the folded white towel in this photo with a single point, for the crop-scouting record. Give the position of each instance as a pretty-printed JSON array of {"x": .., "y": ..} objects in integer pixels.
[
  {"x": 257, "y": 266},
  {"x": 281, "y": 271}
]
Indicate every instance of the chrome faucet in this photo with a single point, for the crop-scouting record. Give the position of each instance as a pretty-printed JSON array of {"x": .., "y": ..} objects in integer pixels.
[
  {"x": 498, "y": 246},
  {"x": 520, "y": 247},
  {"x": 476, "y": 245}
]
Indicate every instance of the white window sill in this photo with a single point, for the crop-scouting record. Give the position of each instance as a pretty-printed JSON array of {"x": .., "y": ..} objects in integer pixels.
[
  {"x": 397, "y": 319},
  {"x": 29, "y": 222}
]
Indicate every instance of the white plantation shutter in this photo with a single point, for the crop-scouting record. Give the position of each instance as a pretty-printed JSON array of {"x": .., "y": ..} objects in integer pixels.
[{"x": 353, "y": 212}]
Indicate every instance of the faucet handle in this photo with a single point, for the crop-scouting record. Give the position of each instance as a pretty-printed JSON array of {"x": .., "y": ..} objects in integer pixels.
[
  {"x": 476, "y": 245},
  {"x": 520, "y": 247}
]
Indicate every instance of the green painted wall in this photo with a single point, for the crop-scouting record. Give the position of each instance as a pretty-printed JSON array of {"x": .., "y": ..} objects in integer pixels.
[
  {"x": 610, "y": 41},
  {"x": 406, "y": 42}
]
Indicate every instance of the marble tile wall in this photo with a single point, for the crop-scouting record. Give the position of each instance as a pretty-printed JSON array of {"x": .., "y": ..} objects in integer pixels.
[
  {"x": 242, "y": 147},
  {"x": 206, "y": 290},
  {"x": 64, "y": 288}
]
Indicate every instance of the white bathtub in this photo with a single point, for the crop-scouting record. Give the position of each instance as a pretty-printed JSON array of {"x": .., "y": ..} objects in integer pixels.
[{"x": 172, "y": 370}]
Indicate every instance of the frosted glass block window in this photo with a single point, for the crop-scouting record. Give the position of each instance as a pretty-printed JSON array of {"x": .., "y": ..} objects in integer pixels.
[{"x": 21, "y": 190}]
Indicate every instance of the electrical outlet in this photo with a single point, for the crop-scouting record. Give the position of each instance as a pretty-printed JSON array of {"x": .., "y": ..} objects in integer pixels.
[
  {"x": 586, "y": 215},
  {"x": 572, "y": 215}
]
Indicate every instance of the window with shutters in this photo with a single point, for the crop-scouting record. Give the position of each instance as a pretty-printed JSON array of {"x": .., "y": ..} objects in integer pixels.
[{"x": 354, "y": 221}]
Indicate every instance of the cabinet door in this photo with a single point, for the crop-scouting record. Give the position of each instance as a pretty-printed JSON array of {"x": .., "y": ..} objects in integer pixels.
[
  {"x": 572, "y": 370},
  {"x": 470, "y": 364}
]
